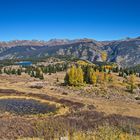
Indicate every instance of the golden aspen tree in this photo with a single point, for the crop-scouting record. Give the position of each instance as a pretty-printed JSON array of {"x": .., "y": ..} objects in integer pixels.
[
  {"x": 94, "y": 78},
  {"x": 131, "y": 83},
  {"x": 71, "y": 75},
  {"x": 39, "y": 73},
  {"x": 91, "y": 71},
  {"x": 104, "y": 56},
  {"x": 74, "y": 76},
  {"x": 97, "y": 75},
  {"x": 80, "y": 75}
]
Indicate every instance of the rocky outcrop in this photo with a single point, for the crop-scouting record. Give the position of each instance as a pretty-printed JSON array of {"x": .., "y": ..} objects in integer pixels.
[{"x": 124, "y": 52}]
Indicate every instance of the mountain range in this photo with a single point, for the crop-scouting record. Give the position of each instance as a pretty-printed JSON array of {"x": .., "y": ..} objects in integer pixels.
[{"x": 125, "y": 52}]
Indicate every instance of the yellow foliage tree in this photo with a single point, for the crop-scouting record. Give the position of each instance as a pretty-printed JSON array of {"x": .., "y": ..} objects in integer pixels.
[
  {"x": 94, "y": 78},
  {"x": 80, "y": 75},
  {"x": 74, "y": 76},
  {"x": 131, "y": 81},
  {"x": 104, "y": 56}
]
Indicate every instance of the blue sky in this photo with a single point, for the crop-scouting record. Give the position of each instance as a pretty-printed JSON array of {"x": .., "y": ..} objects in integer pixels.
[{"x": 47, "y": 19}]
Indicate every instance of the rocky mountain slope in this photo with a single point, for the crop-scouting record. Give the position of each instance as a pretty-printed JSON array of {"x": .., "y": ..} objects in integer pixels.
[{"x": 125, "y": 52}]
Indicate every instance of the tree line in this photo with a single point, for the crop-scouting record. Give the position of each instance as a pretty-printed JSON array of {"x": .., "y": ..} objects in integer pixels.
[
  {"x": 77, "y": 75},
  {"x": 35, "y": 71}
]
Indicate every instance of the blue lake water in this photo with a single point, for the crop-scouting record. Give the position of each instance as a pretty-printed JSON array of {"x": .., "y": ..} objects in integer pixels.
[{"x": 24, "y": 63}]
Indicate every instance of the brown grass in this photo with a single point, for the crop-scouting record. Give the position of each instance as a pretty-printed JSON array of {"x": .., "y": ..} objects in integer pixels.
[{"x": 80, "y": 109}]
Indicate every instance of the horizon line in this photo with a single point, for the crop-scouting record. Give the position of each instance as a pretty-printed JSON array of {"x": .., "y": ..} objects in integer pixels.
[{"x": 46, "y": 40}]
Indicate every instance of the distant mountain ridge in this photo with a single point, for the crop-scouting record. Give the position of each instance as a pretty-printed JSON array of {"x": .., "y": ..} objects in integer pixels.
[{"x": 125, "y": 52}]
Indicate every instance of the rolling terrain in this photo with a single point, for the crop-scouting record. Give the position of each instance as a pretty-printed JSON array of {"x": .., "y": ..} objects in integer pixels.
[
  {"x": 124, "y": 52},
  {"x": 62, "y": 98},
  {"x": 80, "y": 109}
]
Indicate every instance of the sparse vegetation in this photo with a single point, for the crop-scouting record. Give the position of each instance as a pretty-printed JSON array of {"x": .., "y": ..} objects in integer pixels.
[
  {"x": 94, "y": 106},
  {"x": 131, "y": 81}
]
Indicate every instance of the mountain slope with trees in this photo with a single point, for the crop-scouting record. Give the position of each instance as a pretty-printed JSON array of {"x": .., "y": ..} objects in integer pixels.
[{"x": 124, "y": 52}]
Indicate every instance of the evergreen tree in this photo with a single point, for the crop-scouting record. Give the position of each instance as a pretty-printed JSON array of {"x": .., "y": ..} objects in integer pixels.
[
  {"x": 13, "y": 71},
  {"x": 19, "y": 72},
  {"x": 88, "y": 75},
  {"x": 0, "y": 71},
  {"x": 57, "y": 80},
  {"x": 32, "y": 74},
  {"x": 8, "y": 71},
  {"x": 5, "y": 71},
  {"x": 66, "y": 79}
]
